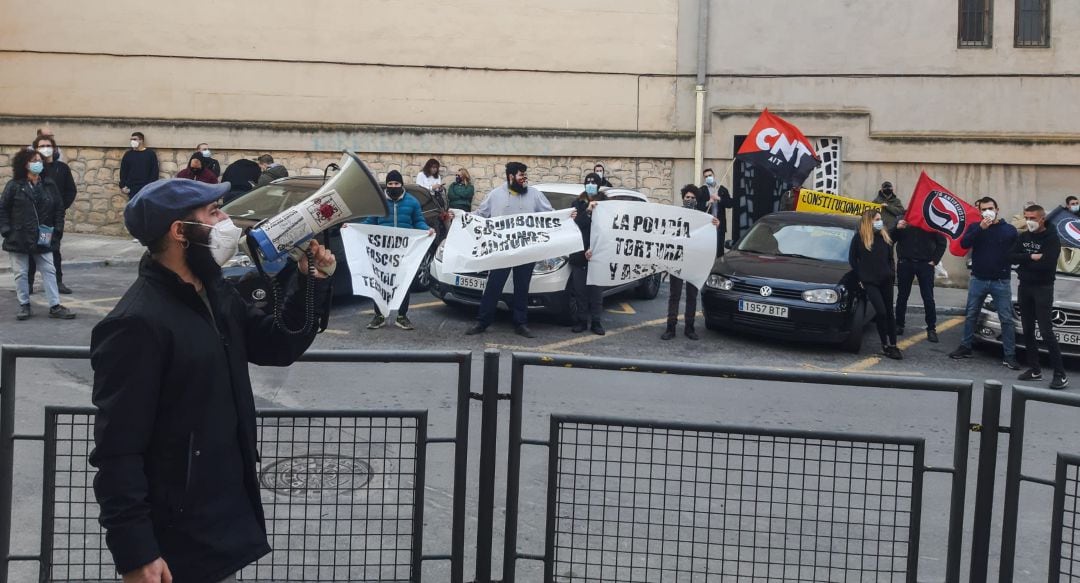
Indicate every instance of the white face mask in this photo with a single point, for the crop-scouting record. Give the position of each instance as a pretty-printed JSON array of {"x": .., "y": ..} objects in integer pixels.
[
  {"x": 989, "y": 215},
  {"x": 878, "y": 225},
  {"x": 1032, "y": 225},
  {"x": 205, "y": 153},
  {"x": 224, "y": 240},
  {"x": 1074, "y": 208},
  {"x": 135, "y": 144},
  {"x": 710, "y": 180},
  {"x": 46, "y": 151}
]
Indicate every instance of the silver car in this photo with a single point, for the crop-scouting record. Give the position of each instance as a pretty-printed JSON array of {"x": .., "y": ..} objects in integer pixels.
[{"x": 1066, "y": 311}]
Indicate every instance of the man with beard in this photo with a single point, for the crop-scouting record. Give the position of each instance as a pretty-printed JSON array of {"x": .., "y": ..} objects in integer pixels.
[
  {"x": 514, "y": 197},
  {"x": 175, "y": 441}
]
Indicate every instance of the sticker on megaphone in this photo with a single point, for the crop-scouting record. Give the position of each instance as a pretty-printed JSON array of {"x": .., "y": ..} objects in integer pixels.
[{"x": 294, "y": 227}]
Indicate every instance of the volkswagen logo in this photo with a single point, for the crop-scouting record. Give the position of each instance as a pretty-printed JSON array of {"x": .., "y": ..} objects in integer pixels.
[
  {"x": 259, "y": 295},
  {"x": 766, "y": 291},
  {"x": 1058, "y": 317}
]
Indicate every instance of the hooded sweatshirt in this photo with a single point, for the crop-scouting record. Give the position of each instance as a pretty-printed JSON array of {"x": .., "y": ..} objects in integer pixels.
[{"x": 201, "y": 175}]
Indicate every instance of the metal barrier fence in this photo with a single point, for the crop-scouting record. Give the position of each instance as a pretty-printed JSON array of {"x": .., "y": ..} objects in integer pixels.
[
  {"x": 641, "y": 501},
  {"x": 343, "y": 491},
  {"x": 1064, "y": 550},
  {"x": 343, "y": 494},
  {"x": 519, "y": 362}
]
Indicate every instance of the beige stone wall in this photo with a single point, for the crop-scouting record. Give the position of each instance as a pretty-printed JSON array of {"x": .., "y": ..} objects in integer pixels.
[{"x": 99, "y": 206}]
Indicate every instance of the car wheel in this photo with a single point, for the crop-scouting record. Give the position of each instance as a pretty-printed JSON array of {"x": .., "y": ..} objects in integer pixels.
[
  {"x": 422, "y": 282},
  {"x": 853, "y": 342},
  {"x": 649, "y": 287}
]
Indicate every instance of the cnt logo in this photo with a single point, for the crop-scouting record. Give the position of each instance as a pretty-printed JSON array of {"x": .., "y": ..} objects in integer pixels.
[
  {"x": 775, "y": 142},
  {"x": 1069, "y": 231},
  {"x": 945, "y": 213}
]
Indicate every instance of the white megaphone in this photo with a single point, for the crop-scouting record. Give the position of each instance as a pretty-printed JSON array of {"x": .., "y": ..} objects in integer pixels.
[{"x": 353, "y": 192}]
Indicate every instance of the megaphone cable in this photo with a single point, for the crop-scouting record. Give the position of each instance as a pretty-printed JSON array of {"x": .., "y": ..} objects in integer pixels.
[{"x": 277, "y": 294}]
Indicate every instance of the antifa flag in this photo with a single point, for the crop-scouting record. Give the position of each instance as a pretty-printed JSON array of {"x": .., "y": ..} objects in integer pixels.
[
  {"x": 933, "y": 208},
  {"x": 1066, "y": 224},
  {"x": 780, "y": 148}
]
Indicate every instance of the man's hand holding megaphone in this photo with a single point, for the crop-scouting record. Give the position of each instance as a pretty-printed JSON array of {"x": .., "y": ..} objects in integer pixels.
[{"x": 325, "y": 262}]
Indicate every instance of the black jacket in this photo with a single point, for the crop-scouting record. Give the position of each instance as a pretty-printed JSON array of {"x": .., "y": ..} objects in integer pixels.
[
  {"x": 65, "y": 182},
  {"x": 874, "y": 265},
  {"x": 22, "y": 208},
  {"x": 914, "y": 244},
  {"x": 1043, "y": 271},
  {"x": 726, "y": 202},
  {"x": 175, "y": 441},
  {"x": 210, "y": 164},
  {"x": 584, "y": 222}
]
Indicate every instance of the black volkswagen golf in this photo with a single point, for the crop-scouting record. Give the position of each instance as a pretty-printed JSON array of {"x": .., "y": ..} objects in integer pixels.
[{"x": 789, "y": 278}]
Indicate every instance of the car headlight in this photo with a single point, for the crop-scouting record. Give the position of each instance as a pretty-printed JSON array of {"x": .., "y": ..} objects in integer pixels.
[
  {"x": 238, "y": 260},
  {"x": 548, "y": 266},
  {"x": 719, "y": 282},
  {"x": 439, "y": 252},
  {"x": 821, "y": 296}
]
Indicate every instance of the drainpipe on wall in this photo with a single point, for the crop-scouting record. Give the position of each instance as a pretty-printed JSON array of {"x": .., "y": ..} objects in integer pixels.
[{"x": 699, "y": 89}]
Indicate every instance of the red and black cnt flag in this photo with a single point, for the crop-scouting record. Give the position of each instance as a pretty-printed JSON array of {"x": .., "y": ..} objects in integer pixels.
[
  {"x": 933, "y": 208},
  {"x": 780, "y": 148}
]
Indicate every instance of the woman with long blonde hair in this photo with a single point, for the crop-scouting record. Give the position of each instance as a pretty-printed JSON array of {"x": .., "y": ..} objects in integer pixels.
[
  {"x": 871, "y": 258},
  {"x": 461, "y": 193}
]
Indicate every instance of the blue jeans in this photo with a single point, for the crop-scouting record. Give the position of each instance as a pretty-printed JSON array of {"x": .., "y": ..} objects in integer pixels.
[
  {"x": 1000, "y": 292},
  {"x": 494, "y": 289},
  {"x": 20, "y": 266}
]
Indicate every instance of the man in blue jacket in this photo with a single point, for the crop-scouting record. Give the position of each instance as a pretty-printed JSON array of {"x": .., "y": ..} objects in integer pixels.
[
  {"x": 991, "y": 241},
  {"x": 405, "y": 213}
]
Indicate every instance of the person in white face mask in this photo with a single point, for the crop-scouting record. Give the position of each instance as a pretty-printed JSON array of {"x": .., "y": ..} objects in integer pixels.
[
  {"x": 174, "y": 396},
  {"x": 138, "y": 167},
  {"x": 1073, "y": 204},
  {"x": 871, "y": 257},
  {"x": 208, "y": 161}
]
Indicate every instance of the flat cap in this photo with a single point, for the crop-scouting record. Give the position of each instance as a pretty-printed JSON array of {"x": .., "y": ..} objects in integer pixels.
[{"x": 149, "y": 214}]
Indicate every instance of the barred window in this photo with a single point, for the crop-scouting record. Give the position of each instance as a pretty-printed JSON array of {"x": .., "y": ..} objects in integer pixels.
[
  {"x": 1032, "y": 23},
  {"x": 976, "y": 23}
]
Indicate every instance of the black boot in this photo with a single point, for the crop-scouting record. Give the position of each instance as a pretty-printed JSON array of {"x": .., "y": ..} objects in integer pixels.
[{"x": 669, "y": 333}]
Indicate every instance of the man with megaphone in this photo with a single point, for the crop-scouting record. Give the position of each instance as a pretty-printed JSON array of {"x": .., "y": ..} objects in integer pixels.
[{"x": 175, "y": 436}]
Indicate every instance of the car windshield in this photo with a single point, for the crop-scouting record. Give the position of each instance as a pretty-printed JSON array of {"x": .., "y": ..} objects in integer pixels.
[
  {"x": 825, "y": 243},
  {"x": 268, "y": 201}
]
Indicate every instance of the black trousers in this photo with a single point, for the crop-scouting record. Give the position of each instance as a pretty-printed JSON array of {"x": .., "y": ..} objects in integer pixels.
[
  {"x": 587, "y": 301},
  {"x": 880, "y": 297},
  {"x": 906, "y": 272},
  {"x": 56, "y": 261},
  {"x": 673, "y": 304},
  {"x": 1036, "y": 304},
  {"x": 402, "y": 311}
]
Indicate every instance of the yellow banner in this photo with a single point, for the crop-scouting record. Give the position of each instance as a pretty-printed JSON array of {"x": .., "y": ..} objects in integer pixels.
[{"x": 812, "y": 201}]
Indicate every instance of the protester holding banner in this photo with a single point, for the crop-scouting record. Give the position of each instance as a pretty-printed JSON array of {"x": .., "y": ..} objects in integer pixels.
[
  {"x": 871, "y": 256},
  {"x": 892, "y": 210},
  {"x": 405, "y": 213},
  {"x": 918, "y": 252},
  {"x": 1073, "y": 204},
  {"x": 587, "y": 301},
  {"x": 714, "y": 198},
  {"x": 691, "y": 197},
  {"x": 514, "y": 197},
  {"x": 1036, "y": 253},
  {"x": 991, "y": 241}
]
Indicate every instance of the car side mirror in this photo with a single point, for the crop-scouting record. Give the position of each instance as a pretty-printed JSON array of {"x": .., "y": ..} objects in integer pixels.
[{"x": 729, "y": 244}]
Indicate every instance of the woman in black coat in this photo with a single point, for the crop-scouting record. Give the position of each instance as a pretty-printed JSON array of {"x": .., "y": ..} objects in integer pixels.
[
  {"x": 31, "y": 220},
  {"x": 60, "y": 173},
  {"x": 871, "y": 257}
]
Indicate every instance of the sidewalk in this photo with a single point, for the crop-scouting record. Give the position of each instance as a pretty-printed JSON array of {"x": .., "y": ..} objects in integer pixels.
[{"x": 81, "y": 251}]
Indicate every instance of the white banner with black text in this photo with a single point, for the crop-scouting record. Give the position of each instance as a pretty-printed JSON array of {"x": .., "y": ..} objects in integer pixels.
[
  {"x": 479, "y": 244},
  {"x": 632, "y": 240},
  {"x": 383, "y": 261}
]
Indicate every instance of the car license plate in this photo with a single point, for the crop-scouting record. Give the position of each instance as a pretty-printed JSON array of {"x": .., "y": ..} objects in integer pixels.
[
  {"x": 1062, "y": 337},
  {"x": 763, "y": 309},
  {"x": 470, "y": 282}
]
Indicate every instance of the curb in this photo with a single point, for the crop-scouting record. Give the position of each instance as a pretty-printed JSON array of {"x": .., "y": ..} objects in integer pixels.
[
  {"x": 80, "y": 265},
  {"x": 941, "y": 310}
]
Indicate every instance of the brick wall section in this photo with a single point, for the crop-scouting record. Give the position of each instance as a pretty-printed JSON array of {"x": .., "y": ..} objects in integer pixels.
[{"x": 99, "y": 206}]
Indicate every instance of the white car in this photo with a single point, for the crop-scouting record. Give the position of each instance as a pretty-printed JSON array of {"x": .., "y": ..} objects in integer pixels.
[{"x": 548, "y": 291}]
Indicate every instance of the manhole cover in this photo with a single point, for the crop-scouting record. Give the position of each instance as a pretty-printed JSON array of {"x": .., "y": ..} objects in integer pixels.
[{"x": 316, "y": 476}]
